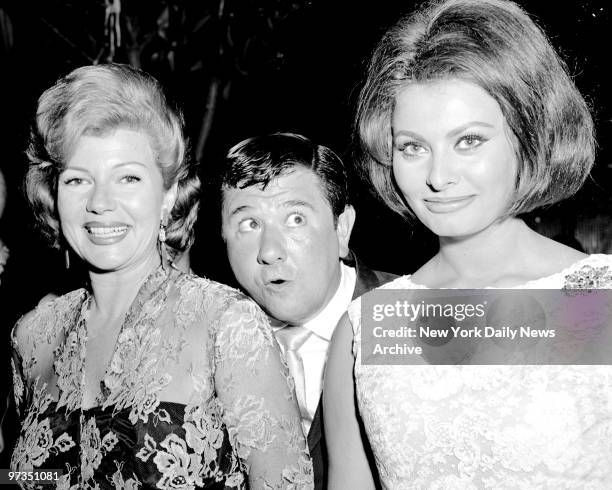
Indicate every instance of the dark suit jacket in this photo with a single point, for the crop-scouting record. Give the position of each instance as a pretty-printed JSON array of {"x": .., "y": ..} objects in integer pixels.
[{"x": 367, "y": 279}]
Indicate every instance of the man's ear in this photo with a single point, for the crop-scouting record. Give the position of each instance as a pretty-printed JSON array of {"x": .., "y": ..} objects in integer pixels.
[
  {"x": 344, "y": 228},
  {"x": 169, "y": 200}
]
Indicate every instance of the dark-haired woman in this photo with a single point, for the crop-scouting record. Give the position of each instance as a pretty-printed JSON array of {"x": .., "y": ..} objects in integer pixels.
[{"x": 468, "y": 119}]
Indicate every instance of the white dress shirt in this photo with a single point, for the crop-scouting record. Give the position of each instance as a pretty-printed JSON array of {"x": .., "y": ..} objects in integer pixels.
[{"x": 314, "y": 351}]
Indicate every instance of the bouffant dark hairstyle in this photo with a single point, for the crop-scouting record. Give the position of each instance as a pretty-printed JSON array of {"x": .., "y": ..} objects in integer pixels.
[{"x": 497, "y": 46}]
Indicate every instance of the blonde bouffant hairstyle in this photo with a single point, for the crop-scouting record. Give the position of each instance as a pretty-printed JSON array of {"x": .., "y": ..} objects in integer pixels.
[{"x": 95, "y": 101}]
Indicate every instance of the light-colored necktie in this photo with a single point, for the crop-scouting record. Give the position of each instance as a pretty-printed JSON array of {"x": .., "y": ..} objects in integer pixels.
[{"x": 291, "y": 338}]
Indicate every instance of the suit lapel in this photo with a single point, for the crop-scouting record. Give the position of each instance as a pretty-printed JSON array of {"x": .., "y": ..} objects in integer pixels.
[
  {"x": 367, "y": 279},
  {"x": 315, "y": 434}
]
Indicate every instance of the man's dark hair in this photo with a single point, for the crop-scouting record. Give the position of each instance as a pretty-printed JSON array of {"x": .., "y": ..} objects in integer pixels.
[{"x": 261, "y": 159}]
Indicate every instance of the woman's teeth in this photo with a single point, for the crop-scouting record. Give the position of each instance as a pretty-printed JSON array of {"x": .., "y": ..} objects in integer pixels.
[{"x": 108, "y": 232}]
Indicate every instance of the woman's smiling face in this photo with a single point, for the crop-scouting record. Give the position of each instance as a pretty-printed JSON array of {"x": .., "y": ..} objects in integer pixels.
[
  {"x": 111, "y": 199},
  {"x": 452, "y": 158}
]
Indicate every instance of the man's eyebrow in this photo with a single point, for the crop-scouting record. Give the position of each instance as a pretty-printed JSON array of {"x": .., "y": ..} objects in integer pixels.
[
  {"x": 240, "y": 209},
  {"x": 296, "y": 203},
  {"x": 291, "y": 203}
]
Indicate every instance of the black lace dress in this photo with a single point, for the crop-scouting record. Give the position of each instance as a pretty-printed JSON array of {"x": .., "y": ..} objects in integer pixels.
[{"x": 195, "y": 394}]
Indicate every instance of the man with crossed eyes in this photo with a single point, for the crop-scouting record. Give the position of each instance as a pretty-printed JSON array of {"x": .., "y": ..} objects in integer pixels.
[{"x": 287, "y": 221}]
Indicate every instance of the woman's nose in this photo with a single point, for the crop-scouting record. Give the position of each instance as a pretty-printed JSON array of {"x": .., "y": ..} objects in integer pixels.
[
  {"x": 443, "y": 172},
  {"x": 101, "y": 199}
]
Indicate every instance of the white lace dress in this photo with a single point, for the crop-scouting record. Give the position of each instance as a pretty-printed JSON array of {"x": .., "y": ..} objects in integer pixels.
[{"x": 501, "y": 427}]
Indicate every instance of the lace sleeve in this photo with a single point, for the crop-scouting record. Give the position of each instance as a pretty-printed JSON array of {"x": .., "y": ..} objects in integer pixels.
[
  {"x": 18, "y": 378},
  {"x": 20, "y": 343},
  {"x": 259, "y": 409}
]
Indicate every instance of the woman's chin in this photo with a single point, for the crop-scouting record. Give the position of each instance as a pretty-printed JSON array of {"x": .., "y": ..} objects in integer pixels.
[
  {"x": 105, "y": 263},
  {"x": 457, "y": 228},
  {"x": 103, "y": 267},
  {"x": 452, "y": 231}
]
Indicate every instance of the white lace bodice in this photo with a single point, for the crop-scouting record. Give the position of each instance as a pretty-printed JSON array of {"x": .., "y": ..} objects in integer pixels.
[{"x": 501, "y": 427}]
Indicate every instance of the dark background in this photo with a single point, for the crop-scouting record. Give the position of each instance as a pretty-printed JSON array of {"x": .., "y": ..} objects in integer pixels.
[
  {"x": 266, "y": 66},
  {"x": 259, "y": 66},
  {"x": 276, "y": 65}
]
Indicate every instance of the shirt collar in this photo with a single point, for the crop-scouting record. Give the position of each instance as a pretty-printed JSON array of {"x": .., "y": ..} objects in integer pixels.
[{"x": 325, "y": 322}]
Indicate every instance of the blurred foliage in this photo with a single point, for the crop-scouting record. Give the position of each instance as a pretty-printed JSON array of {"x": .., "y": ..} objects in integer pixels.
[
  {"x": 6, "y": 31},
  {"x": 209, "y": 43}
]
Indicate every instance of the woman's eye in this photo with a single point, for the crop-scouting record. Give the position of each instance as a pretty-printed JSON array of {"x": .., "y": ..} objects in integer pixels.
[
  {"x": 130, "y": 179},
  {"x": 73, "y": 181},
  {"x": 248, "y": 225},
  {"x": 412, "y": 148},
  {"x": 296, "y": 219},
  {"x": 470, "y": 141}
]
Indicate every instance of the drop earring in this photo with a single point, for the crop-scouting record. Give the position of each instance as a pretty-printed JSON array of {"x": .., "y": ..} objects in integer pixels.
[{"x": 161, "y": 243}]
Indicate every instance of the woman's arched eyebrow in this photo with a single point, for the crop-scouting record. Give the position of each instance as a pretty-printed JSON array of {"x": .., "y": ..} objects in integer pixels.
[{"x": 457, "y": 131}]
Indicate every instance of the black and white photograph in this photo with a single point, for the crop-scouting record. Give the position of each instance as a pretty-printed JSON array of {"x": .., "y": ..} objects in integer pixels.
[{"x": 306, "y": 244}]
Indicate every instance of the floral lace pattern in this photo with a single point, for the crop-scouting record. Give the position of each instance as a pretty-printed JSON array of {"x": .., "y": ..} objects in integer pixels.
[
  {"x": 195, "y": 395},
  {"x": 498, "y": 427}
]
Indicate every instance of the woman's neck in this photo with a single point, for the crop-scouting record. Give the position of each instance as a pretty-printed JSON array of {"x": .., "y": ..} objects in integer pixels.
[{"x": 114, "y": 292}]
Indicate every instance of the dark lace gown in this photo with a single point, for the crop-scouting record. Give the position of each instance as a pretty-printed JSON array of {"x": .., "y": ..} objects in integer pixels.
[{"x": 195, "y": 394}]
